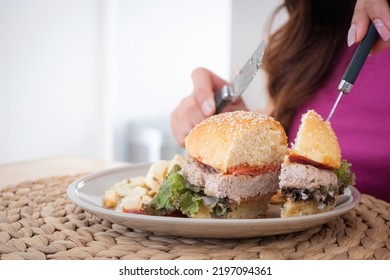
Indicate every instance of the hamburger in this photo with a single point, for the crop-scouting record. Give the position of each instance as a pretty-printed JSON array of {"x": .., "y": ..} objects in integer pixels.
[
  {"x": 313, "y": 173},
  {"x": 231, "y": 170}
]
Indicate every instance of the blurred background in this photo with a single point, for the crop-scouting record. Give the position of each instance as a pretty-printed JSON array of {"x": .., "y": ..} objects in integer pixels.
[{"x": 99, "y": 78}]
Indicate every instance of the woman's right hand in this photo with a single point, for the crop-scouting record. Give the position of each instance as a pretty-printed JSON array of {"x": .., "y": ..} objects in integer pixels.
[{"x": 199, "y": 105}]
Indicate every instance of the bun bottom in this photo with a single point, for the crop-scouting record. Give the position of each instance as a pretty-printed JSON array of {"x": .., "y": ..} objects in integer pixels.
[
  {"x": 302, "y": 208},
  {"x": 250, "y": 209}
]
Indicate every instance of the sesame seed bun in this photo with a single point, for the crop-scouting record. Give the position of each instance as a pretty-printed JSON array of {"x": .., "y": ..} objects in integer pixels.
[
  {"x": 301, "y": 208},
  {"x": 307, "y": 180},
  {"x": 232, "y": 140},
  {"x": 317, "y": 141},
  {"x": 251, "y": 209}
]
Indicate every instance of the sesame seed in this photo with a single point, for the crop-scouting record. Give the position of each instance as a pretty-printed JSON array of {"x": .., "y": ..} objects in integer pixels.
[{"x": 235, "y": 122}]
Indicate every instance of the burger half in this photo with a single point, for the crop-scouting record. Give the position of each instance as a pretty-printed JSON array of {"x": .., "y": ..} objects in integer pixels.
[
  {"x": 313, "y": 174},
  {"x": 231, "y": 171}
]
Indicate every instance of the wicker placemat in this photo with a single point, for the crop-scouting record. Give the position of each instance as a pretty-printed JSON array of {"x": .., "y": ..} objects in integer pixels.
[{"x": 37, "y": 221}]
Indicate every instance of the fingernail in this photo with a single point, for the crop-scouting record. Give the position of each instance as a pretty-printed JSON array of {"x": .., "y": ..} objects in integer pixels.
[
  {"x": 382, "y": 29},
  {"x": 351, "y": 38},
  {"x": 207, "y": 107}
]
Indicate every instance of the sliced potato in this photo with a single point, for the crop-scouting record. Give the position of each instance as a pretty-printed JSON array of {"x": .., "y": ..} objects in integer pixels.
[
  {"x": 133, "y": 200},
  {"x": 151, "y": 193},
  {"x": 140, "y": 190},
  {"x": 122, "y": 188},
  {"x": 178, "y": 159},
  {"x": 156, "y": 174},
  {"x": 137, "y": 181},
  {"x": 110, "y": 198},
  {"x": 145, "y": 200}
]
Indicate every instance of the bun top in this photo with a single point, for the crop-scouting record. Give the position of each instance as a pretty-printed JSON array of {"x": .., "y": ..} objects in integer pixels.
[
  {"x": 317, "y": 141},
  {"x": 239, "y": 139}
]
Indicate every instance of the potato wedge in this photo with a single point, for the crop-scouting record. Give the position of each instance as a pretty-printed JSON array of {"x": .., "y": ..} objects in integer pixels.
[{"x": 156, "y": 174}]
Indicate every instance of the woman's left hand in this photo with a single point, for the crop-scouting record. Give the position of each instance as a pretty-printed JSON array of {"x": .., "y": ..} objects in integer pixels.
[{"x": 367, "y": 11}]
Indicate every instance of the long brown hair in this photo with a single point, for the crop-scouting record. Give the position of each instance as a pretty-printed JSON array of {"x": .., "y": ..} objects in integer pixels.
[{"x": 303, "y": 51}]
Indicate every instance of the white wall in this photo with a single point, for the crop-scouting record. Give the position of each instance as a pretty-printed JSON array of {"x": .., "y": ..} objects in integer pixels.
[
  {"x": 160, "y": 43},
  {"x": 248, "y": 29},
  {"x": 49, "y": 78},
  {"x": 74, "y": 74}
]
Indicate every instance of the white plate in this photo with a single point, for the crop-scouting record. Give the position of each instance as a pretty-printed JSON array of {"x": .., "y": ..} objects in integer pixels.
[{"x": 87, "y": 192}]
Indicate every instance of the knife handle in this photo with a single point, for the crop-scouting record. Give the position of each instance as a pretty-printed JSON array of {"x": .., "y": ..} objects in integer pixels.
[
  {"x": 358, "y": 59},
  {"x": 223, "y": 97}
]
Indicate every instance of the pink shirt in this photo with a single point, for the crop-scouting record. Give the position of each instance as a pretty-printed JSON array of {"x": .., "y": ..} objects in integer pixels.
[{"x": 361, "y": 120}]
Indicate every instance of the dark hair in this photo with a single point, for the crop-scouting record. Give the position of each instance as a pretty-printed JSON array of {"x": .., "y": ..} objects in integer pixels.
[{"x": 302, "y": 52}]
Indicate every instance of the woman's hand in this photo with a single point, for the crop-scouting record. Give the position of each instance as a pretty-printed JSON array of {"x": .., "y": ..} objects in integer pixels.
[
  {"x": 367, "y": 11},
  {"x": 200, "y": 104}
]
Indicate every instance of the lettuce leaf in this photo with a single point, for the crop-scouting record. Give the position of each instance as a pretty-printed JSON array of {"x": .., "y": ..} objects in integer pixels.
[
  {"x": 344, "y": 175},
  {"x": 166, "y": 200},
  {"x": 176, "y": 194}
]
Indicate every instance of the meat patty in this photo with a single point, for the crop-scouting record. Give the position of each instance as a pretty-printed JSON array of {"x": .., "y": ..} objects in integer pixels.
[
  {"x": 302, "y": 176},
  {"x": 301, "y": 182},
  {"x": 233, "y": 187}
]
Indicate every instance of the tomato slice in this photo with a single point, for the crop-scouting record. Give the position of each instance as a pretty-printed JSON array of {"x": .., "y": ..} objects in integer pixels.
[
  {"x": 253, "y": 171},
  {"x": 302, "y": 160}
]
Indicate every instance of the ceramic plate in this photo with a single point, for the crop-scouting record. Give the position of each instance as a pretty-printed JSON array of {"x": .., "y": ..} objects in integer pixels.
[{"x": 87, "y": 192}]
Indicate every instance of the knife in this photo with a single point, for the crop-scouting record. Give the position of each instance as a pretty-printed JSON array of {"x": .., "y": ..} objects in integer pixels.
[
  {"x": 355, "y": 65},
  {"x": 245, "y": 75}
]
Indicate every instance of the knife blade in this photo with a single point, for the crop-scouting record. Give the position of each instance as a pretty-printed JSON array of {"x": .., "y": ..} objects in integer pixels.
[
  {"x": 240, "y": 82},
  {"x": 355, "y": 65}
]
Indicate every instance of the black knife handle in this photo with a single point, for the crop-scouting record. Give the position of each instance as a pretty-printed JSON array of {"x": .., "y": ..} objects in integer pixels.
[
  {"x": 360, "y": 56},
  {"x": 222, "y": 98}
]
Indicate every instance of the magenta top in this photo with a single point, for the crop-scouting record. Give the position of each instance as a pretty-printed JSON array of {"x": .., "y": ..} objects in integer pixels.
[{"x": 361, "y": 120}]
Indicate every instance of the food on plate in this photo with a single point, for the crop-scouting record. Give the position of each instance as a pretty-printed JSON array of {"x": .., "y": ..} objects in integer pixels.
[
  {"x": 133, "y": 201},
  {"x": 156, "y": 174},
  {"x": 231, "y": 170},
  {"x": 137, "y": 191},
  {"x": 313, "y": 174},
  {"x": 276, "y": 198},
  {"x": 237, "y": 164},
  {"x": 178, "y": 159},
  {"x": 110, "y": 198}
]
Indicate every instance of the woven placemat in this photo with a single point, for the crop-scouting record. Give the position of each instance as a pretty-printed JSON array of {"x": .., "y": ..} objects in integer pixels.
[{"x": 38, "y": 221}]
